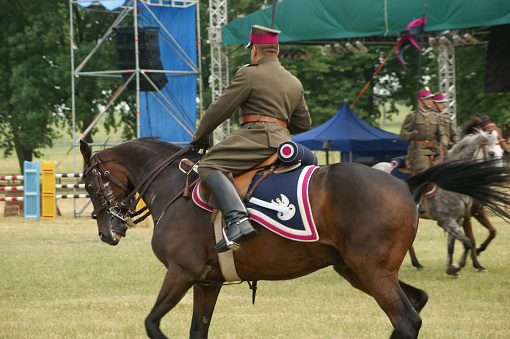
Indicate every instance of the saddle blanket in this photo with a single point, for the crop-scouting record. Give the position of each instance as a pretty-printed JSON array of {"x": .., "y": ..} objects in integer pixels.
[{"x": 289, "y": 189}]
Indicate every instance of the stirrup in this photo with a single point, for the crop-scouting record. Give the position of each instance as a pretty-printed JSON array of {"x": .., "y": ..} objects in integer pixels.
[
  {"x": 230, "y": 244},
  {"x": 419, "y": 208}
]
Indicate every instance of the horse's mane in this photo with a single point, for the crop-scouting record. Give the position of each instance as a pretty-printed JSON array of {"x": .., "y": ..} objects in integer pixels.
[
  {"x": 159, "y": 147},
  {"x": 476, "y": 122},
  {"x": 154, "y": 142}
]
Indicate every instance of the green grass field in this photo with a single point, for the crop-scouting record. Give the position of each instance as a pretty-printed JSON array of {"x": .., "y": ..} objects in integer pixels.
[{"x": 60, "y": 281}]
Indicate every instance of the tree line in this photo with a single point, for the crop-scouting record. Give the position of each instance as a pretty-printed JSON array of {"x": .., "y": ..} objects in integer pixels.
[{"x": 35, "y": 75}]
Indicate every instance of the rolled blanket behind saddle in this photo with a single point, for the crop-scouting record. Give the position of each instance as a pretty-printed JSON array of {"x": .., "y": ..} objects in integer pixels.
[{"x": 290, "y": 152}]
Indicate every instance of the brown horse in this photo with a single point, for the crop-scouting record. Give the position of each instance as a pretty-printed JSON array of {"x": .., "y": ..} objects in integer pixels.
[{"x": 366, "y": 220}]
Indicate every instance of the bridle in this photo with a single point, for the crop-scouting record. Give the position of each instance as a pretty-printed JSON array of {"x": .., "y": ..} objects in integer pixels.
[
  {"x": 126, "y": 209},
  {"x": 482, "y": 144},
  {"x": 106, "y": 196}
]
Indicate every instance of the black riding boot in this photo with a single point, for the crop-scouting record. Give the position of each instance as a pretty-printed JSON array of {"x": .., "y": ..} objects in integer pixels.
[
  {"x": 416, "y": 196},
  {"x": 234, "y": 211}
]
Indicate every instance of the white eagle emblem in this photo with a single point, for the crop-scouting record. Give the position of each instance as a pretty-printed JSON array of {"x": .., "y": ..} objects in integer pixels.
[{"x": 284, "y": 202}]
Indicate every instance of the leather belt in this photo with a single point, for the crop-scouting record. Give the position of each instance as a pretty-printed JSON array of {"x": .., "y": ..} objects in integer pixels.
[
  {"x": 261, "y": 118},
  {"x": 428, "y": 143}
]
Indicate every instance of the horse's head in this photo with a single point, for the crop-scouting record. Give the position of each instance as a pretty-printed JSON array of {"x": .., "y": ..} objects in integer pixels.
[
  {"x": 109, "y": 189},
  {"x": 492, "y": 147},
  {"x": 479, "y": 145}
]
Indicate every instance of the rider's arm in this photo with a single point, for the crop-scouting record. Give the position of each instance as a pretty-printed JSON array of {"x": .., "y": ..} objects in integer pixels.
[
  {"x": 223, "y": 107},
  {"x": 300, "y": 120},
  {"x": 407, "y": 127}
]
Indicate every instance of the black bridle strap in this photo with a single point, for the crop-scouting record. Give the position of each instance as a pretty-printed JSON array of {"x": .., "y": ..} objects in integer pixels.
[
  {"x": 152, "y": 175},
  {"x": 173, "y": 199}
]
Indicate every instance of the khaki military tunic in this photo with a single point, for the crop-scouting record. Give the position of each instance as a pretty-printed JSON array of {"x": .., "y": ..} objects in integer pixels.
[
  {"x": 264, "y": 88},
  {"x": 430, "y": 133},
  {"x": 449, "y": 128}
]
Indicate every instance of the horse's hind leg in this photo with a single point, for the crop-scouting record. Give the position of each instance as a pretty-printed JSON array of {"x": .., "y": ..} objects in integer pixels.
[
  {"x": 173, "y": 290},
  {"x": 452, "y": 227},
  {"x": 451, "y": 268},
  {"x": 480, "y": 214},
  {"x": 391, "y": 295},
  {"x": 414, "y": 258},
  {"x": 204, "y": 300}
]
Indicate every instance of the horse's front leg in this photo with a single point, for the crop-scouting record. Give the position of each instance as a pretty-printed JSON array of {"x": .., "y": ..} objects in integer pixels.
[
  {"x": 481, "y": 215},
  {"x": 468, "y": 230},
  {"x": 175, "y": 285},
  {"x": 204, "y": 300}
]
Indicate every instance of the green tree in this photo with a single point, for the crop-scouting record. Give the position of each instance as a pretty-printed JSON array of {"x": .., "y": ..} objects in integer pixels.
[
  {"x": 471, "y": 96},
  {"x": 31, "y": 88},
  {"x": 35, "y": 86}
]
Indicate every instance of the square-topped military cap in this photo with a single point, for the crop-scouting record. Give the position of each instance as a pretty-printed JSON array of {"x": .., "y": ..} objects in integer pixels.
[{"x": 263, "y": 35}]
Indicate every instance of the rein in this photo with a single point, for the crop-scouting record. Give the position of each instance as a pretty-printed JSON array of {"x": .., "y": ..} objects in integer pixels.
[{"x": 107, "y": 198}]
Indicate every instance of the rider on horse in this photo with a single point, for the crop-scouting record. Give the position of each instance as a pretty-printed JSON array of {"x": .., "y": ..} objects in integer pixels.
[
  {"x": 272, "y": 106},
  {"x": 446, "y": 118},
  {"x": 424, "y": 128}
]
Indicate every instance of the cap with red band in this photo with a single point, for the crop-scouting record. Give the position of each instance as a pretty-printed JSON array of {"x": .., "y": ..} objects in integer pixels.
[
  {"x": 439, "y": 97},
  {"x": 263, "y": 35},
  {"x": 425, "y": 93}
]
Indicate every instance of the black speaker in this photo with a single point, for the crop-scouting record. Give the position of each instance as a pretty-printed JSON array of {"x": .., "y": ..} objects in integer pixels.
[
  {"x": 146, "y": 35},
  {"x": 497, "y": 69},
  {"x": 148, "y": 57}
]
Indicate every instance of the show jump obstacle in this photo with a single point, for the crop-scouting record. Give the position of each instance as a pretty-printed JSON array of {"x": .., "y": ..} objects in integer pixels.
[{"x": 40, "y": 188}]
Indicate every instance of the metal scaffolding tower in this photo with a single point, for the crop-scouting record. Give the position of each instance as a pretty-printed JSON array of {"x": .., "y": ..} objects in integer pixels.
[
  {"x": 219, "y": 79},
  {"x": 446, "y": 63},
  {"x": 131, "y": 10}
]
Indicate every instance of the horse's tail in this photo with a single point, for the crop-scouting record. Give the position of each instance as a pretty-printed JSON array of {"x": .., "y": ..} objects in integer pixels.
[{"x": 481, "y": 180}]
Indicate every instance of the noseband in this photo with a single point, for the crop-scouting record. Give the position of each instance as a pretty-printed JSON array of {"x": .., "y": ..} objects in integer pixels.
[{"x": 129, "y": 203}]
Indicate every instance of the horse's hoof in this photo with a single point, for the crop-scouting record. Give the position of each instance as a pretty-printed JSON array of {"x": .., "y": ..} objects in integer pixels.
[
  {"x": 482, "y": 270},
  {"x": 454, "y": 275},
  {"x": 455, "y": 267}
]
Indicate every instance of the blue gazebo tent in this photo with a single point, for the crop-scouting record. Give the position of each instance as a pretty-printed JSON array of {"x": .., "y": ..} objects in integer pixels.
[{"x": 356, "y": 139}]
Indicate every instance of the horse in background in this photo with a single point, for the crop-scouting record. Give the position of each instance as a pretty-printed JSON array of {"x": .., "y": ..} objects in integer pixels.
[{"x": 453, "y": 211}]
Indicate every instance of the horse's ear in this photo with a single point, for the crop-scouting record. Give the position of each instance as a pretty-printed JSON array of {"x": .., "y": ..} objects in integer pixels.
[{"x": 86, "y": 152}]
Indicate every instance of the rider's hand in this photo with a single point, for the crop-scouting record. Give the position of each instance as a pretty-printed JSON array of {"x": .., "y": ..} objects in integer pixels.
[
  {"x": 202, "y": 143},
  {"x": 413, "y": 135}
]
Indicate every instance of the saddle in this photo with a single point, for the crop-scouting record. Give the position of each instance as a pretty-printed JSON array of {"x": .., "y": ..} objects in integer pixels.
[
  {"x": 242, "y": 181},
  {"x": 289, "y": 156}
]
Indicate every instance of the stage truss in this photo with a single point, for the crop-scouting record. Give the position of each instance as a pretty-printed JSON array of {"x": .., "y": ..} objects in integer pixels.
[{"x": 129, "y": 10}]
